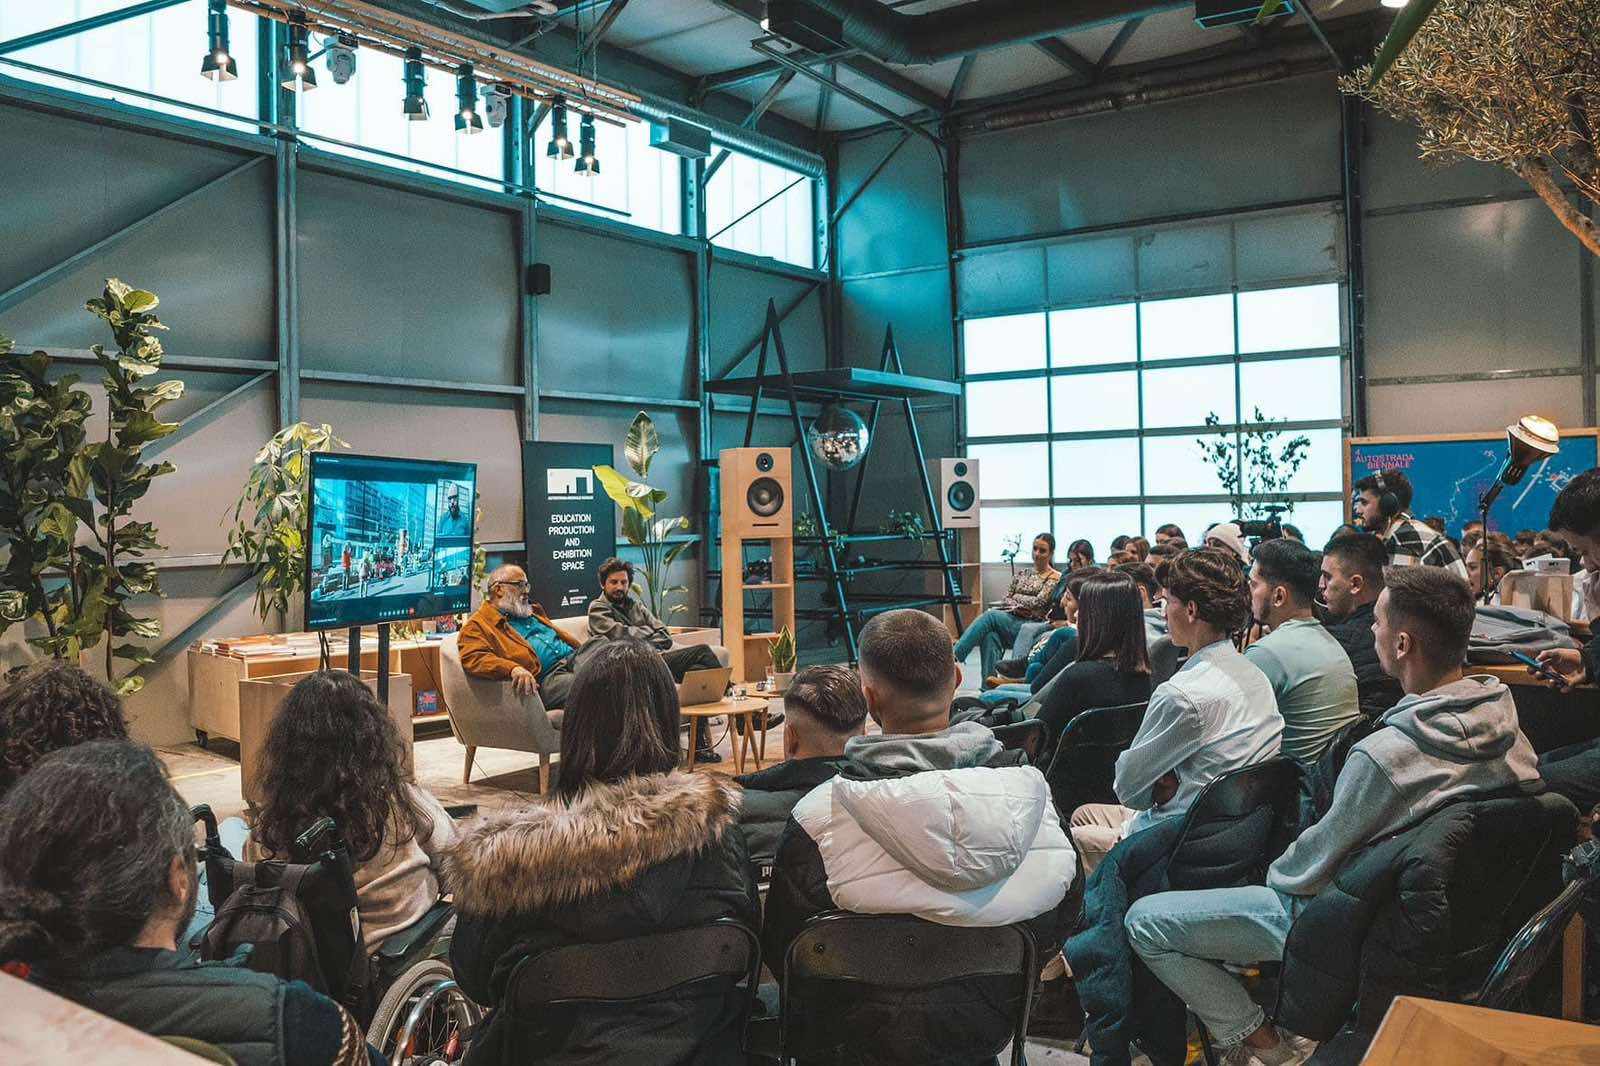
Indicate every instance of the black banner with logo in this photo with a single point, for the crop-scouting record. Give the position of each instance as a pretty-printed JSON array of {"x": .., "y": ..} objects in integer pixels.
[{"x": 569, "y": 522}]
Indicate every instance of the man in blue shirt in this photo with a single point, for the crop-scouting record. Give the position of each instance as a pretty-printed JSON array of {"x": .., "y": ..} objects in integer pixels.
[{"x": 510, "y": 639}]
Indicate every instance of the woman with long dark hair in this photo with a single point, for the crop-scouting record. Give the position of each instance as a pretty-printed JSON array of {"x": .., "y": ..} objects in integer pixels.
[
  {"x": 1028, "y": 600},
  {"x": 1113, "y": 664},
  {"x": 628, "y": 845},
  {"x": 333, "y": 751}
]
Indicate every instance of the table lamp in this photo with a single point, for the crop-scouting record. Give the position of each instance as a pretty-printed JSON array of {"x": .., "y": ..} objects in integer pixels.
[{"x": 1529, "y": 440}]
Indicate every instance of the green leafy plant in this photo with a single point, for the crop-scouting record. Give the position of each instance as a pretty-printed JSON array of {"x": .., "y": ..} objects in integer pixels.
[
  {"x": 1252, "y": 464},
  {"x": 41, "y": 432},
  {"x": 905, "y": 523},
  {"x": 784, "y": 652},
  {"x": 1401, "y": 31},
  {"x": 271, "y": 540},
  {"x": 1012, "y": 548},
  {"x": 641, "y": 526}
]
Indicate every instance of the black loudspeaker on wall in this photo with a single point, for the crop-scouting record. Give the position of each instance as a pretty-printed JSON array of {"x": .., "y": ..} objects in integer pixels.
[
  {"x": 955, "y": 486},
  {"x": 539, "y": 279}
]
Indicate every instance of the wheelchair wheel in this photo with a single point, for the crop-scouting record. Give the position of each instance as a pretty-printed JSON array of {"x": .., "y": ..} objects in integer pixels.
[{"x": 423, "y": 1018}]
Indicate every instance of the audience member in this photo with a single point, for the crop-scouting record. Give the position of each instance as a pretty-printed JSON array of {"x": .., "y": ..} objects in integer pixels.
[
  {"x": 1383, "y": 505},
  {"x": 1120, "y": 541},
  {"x": 1112, "y": 666},
  {"x": 1574, "y": 770},
  {"x": 825, "y": 708},
  {"x": 628, "y": 845},
  {"x": 1452, "y": 736},
  {"x": 1168, "y": 532},
  {"x": 1158, "y": 640},
  {"x": 1028, "y": 600},
  {"x": 510, "y": 638},
  {"x": 1216, "y": 714},
  {"x": 918, "y": 823},
  {"x": 1436, "y": 523},
  {"x": 1144, "y": 582},
  {"x": 1060, "y": 646},
  {"x": 1310, "y": 673},
  {"x": 1228, "y": 537},
  {"x": 1080, "y": 555},
  {"x": 1500, "y": 561},
  {"x": 1523, "y": 542},
  {"x": 97, "y": 881},
  {"x": 1470, "y": 527},
  {"x": 1140, "y": 549},
  {"x": 50, "y": 705},
  {"x": 1350, "y": 581},
  {"x": 333, "y": 751}
]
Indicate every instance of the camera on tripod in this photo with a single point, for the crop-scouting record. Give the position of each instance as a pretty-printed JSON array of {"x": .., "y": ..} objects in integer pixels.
[{"x": 1268, "y": 528}]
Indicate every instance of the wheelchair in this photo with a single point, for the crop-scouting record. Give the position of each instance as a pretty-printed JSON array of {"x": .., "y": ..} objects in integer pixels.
[{"x": 411, "y": 1008}]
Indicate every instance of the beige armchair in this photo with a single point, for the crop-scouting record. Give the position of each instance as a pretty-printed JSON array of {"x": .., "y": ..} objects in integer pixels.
[{"x": 489, "y": 714}]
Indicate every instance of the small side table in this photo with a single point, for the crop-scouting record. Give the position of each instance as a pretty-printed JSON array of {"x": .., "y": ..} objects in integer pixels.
[{"x": 746, "y": 708}]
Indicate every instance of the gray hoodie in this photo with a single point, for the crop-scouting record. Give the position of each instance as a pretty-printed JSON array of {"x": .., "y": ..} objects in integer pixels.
[
  {"x": 894, "y": 754},
  {"x": 1457, "y": 739}
]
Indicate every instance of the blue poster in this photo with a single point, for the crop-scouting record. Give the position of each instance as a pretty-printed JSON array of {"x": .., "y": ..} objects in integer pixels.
[{"x": 1448, "y": 476}]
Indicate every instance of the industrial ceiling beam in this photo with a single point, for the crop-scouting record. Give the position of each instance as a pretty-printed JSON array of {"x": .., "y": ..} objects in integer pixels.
[
  {"x": 896, "y": 83},
  {"x": 1067, "y": 56},
  {"x": 768, "y": 98},
  {"x": 847, "y": 92},
  {"x": 959, "y": 84},
  {"x": 93, "y": 22},
  {"x": 1118, "y": 43},
  {"x": 825, "y": 98},
  {"x": 591, "y": 40}
]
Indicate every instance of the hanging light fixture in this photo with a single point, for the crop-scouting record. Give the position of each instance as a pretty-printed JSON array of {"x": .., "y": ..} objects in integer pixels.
[
  {"x": 219, "y": 64},
  {"x": 300, "y": 77},
  {"x": 468, "y": 120},
  {"x": 560, "y": 146},
  {"x": 416, "y": 79},
  {"x": 341, "y": 53},
  {"x": 587, "y": 165}
]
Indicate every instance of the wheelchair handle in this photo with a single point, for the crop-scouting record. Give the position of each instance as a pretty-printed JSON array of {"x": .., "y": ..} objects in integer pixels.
[
  {"x": 307, "y": 840},
  {"x": 203, "y": 814}
]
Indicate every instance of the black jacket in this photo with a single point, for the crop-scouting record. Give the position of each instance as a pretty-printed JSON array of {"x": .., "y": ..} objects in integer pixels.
[
  {"x": 1084, "y": 686},
  {"x": 1423, "y": 912},
  {"x": 1376, "y": 691},
  {"x": 257, "y": 1019},
  {"x": 769, "y": 796},
  {"x": 644, "y": 855}
]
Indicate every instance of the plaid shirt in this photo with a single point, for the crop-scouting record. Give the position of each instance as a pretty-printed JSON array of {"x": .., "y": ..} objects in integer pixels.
[{"x": 1411, "y": 543}]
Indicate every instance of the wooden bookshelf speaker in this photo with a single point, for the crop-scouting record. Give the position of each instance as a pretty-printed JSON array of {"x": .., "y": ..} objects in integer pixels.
[
  {"x": 955, "y": 486},
  {"x": 757, "y": 492}
]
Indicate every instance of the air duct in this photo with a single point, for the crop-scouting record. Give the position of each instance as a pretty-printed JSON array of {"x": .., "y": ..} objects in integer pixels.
[
  {"x": 893, "y": 37},
  {"x": 732, "y": 135}
]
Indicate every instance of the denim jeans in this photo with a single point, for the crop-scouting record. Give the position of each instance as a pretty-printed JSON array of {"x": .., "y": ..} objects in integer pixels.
[
  {"x": 1028, "y": 634},
  {"x": 992, "y": 633},
  {"x": 1019, "y": 692},
  {"x": 1184, "y": 937}
]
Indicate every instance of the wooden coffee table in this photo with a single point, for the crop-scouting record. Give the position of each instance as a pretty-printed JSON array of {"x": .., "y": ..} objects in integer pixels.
[{"x": 747, "y": 708}]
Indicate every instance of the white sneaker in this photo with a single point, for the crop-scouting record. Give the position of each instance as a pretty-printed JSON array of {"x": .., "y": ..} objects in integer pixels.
[{"x": 1292, "y": 1050}]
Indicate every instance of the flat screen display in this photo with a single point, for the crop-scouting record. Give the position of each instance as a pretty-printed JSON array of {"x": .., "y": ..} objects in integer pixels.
[{"x": 390, "y": 539}]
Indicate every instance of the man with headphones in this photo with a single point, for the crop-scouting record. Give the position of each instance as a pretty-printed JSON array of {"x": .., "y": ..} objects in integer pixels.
[{"x": 1382, "y": 506}]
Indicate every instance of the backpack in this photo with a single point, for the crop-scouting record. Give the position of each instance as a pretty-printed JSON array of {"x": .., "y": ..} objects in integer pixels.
[{"x": 298, "y": 923}]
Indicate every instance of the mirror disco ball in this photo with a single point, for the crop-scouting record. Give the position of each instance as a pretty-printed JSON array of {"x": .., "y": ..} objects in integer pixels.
[{"x": 838, "y": 437}]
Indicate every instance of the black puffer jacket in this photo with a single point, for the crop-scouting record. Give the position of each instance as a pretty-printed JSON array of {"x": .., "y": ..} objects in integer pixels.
[
  {"x": 645, "y": 855},
  {"x": 1427, "y": 911},
  {"x": 1376, "y": 691},
  {"x": 769, "y": 796}
]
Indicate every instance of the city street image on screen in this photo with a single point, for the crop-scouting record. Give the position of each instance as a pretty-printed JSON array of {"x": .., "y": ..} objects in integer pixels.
[{"x": 391, "y": 539}]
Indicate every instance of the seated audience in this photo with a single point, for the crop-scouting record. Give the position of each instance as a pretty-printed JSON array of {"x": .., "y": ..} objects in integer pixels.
[
  {"x": 1059, "y": 647},
  {"x": 1080, "y": 554},
  {"x": 1350, "y": 580},
  {"x": 333, "y": 751},
  {"x": 1452, "y": 736},
  {"x": 1471, "y": 529},
  {"x": 628, "y": 845},
  {"x": 1229, "y": 537},
  {"x": 1216, "y": 714},
  {"x": 1140, "y": 549},
  {"x": 825, "y": 708},
  {"x": 1158, "y": 641},
  {"x": 1028, "y": 600},
  {"x": 1112, "y": 666},
  {"x": 1574, "y": 770},
  {"x": 510, "y": 638},
  {"x": 1523, "y": 542},
  {"x": 1499, "y": 560},
  {"x": 50, "y": 705},
  {"x": 1059, "y": 634},
  {"x": 1409, "y": 541},
  {"x": 1310, "y": 673},
  {"x": 617, "y": 613},
  {"x": 1144, "y": 582},
  {"x": 1436, "y": 523},
  {"x": 98, "y": 879},
  {"x": 923, "y": 820},
  {"x": 1168, "y": 532},
  {"x": 1120, "y": 541}
]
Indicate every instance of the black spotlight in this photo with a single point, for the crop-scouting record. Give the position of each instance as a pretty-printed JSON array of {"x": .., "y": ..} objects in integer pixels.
[
  {"x": 468, "y": 121},
  {"x": 416, "y": 78},
  {"x": 560, "y": 146},
  {"x": 588, "y": 165},
  {"x": 300, "y": 78},
  {"x": 219, "y": 64}
]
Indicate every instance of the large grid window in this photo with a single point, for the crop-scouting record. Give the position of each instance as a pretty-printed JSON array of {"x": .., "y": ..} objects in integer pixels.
[
  {"x": 158, "y": 53},
  {"x": 637, "y": 183},
  {"x": 757, "y": 207},
  {"x": 1086, "y": 419}
]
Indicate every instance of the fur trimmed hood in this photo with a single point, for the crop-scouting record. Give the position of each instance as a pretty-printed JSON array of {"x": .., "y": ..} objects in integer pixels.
[{"x": 550, "y": 854}]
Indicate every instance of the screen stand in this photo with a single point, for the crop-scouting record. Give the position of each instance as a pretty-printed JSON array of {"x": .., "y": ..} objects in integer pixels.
[
  {"x": 353, "y": 660},
  {"x": 383, "y": 663}
]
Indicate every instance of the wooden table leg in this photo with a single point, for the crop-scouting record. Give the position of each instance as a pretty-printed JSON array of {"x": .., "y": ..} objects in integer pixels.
[
  {"x": 1572, "y": 944},
  {"x": 761, "y": 753},
  {"x": 744, "y": 739},
  {"x": 688, "y": 761}
]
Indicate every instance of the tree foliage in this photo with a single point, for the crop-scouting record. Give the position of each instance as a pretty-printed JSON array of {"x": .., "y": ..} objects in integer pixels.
[
  {"x": 1251, "y": 465},
  {"x": 1510, "y": 82}
]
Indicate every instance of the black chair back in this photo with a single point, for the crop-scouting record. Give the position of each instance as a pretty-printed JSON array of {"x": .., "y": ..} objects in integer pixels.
[
  {"x": 1027, "y": 736},
  {"x": 637, "y": 968},
  {"x": 1525, "y": 956},
  {"x": 903, "y": 954},
  {"x": 1085, "y": 762},
  {"x": 1237, "y": 826}
]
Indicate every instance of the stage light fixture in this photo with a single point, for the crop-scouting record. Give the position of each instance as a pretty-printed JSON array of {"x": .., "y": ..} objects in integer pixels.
[
  {"x": 300, "y": 77},
  {"x": 468, "y": 121},
  {"x": 560, "y": 146},
  {"x": 219, "y": 64},
  {"x": 588, "y": 165},
  {"x": 341, "y": 52},
  {"x": 496, "y": 104},
  {"x": 1531, "y": 439},
  {"x": 416, "y": 79}
]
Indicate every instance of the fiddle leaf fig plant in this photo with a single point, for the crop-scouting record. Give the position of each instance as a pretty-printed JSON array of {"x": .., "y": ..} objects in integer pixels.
[{"x": 270, "y": 518}]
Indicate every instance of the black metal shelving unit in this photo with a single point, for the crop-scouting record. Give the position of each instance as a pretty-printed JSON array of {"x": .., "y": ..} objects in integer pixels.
[{"x": 888, "y": 384}]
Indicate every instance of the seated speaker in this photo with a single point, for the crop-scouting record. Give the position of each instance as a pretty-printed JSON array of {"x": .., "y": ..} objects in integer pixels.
[
  {"x": 955, "y": 486},
  {"x": 757, "y": 492}
]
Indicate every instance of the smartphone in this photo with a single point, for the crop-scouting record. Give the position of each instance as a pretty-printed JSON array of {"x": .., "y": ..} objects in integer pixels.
[{"x": 1538, "y": 667}]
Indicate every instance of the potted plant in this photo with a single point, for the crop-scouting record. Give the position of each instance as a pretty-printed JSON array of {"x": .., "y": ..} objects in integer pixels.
[
  {"x": 783, "y": 659},
  {"x": 1012, "y": 549},
  {"x": 643, "y": 528}
]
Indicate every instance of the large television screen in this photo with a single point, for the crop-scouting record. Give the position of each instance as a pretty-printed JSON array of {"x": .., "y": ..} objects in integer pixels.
[{"x": 390, "y": 539}]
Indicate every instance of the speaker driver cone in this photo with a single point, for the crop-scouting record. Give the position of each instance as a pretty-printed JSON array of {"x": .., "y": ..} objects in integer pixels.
[
  {"x": 961, "y": 496},
  {"x": 764, "y": 497}
]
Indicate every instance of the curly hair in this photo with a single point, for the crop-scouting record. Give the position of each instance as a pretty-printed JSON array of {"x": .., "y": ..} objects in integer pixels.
[
  {"x": 1211, "y": 579},
  {"x": 333, "y": 751},
  {"x": 53, "y": 705}
]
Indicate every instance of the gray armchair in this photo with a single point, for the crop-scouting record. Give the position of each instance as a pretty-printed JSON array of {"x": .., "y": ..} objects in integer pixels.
[{"x": 489, "y": 714}]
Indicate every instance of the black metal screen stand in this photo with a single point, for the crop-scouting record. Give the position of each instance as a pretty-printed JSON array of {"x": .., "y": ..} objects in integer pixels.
[{"x": 353, "y": 658}]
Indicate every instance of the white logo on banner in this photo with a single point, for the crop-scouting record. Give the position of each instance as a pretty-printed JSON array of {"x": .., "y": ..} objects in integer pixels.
[{"x": 569, "y": 483}]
